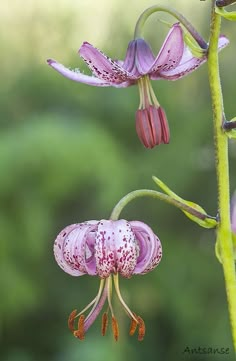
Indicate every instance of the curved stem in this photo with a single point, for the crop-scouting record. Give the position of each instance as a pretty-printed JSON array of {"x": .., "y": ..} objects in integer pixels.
[
  {"x": 145, "y": 15},
  {"x": 224, "y": 235},
  {"x": 154, "y": 194}
]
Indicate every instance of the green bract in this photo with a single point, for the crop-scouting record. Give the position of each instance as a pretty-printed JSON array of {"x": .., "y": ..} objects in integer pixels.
[
  {"x": 200, "y": 216},
  {"x": 229, "y": 15}
]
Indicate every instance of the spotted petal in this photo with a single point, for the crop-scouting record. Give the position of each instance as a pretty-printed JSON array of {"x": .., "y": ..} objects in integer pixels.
[
  {"x": 73, "y": 249},
  {"x": 64, "y": 251},
  {"x": 171, "y": 51},
  {"x": 75, "y": 75},
  {"x": 126, "y": 248},
  {"x": 150, "y": 250},
  {"x": 187, "y": 64},
  {"x": 104, "y": 67}
]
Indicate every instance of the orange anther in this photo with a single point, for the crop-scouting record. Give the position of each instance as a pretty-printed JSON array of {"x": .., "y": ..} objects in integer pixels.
[
  {"x": 141, "y": 329},
  {"x": 80, "y": 333},
  {"x": 133, "y": 326},
  {"x": 104, "y": 323},
  {"x": 115, "y": 328},
  {"x": 71, "y": 320}
]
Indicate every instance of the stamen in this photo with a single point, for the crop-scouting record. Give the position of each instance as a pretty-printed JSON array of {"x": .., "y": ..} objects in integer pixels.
[
  {"x": 97, "y": 298},
  {"x": 133, "y": 326},
  {"x": 115, "y": 328},
  {"x": 71, "y": 320},
  {"x": 109, "y": 294},
  {"x": 146, "y": 93},
  {"x": 104, "y": 323},
  {"x": 80, "y": 333},
  {"x": 141, "y": 329},
  {"x": 116, "y": 283},
  {"x": 100, "y": 300}
]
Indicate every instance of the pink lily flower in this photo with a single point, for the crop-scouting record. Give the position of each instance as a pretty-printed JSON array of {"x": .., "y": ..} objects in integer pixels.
[
  {"x": 106, "y": 249},
  {"x": 173, "y": 61}
]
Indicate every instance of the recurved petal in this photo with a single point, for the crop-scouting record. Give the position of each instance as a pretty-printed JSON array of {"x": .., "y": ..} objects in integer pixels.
[
  {"x": 188, "y": 63},
  {"x": 75, "y": 75},
  {"x": 144, "y": 57},
  {"x": 126, "y": 248},
  {"x": 62, "y": 252},
  {"x": 71, "y": 249},
  {"x": 129, "y": 62},
  {"x": 104, "y": 67},
  {"x": 105, "y": 248},
  {"x": 171, "y": 51},
  {"x": 150, "y": 250}
]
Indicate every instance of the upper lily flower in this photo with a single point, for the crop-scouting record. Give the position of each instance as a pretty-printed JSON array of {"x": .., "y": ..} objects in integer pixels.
[
  {"x": 173, "y": 61},
  {"x": 107, "y": 248}
]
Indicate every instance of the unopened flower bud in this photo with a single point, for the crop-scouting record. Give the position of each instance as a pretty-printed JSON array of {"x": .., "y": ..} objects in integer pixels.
[{"x": 152, "y": 126}]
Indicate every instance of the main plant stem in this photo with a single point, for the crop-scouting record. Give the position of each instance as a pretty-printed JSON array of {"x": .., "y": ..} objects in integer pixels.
[{"x": 224, "y": 235}]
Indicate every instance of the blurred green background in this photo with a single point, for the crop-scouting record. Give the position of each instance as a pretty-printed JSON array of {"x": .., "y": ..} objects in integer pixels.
[{"x": 69, "y": 152}]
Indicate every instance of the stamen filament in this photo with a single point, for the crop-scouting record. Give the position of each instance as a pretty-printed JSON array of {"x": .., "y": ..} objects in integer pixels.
[
  {"x": 101, "y": 298},
  {"x": 140, "y": 88},
  {"x": 146, "y": 93},
  {"x": 109, "y": 295},
  {"x": 154, "y": 99},
  {"x": 96, "y": 300},
  {"x": 87, "y": 307},
  {"x": 116, "y": 283}
]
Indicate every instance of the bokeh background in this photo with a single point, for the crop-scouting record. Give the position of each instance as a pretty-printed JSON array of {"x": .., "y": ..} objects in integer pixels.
[{"x": 69, "y": 152}]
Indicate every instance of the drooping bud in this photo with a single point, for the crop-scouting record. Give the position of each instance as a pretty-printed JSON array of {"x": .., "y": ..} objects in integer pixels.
[{"x": 152, "y": 126}]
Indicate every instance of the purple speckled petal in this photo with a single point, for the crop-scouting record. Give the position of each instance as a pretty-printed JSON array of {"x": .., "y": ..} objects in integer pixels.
[
  {"x": 187, "y": 64},
  {"x": 59, "y": 251},
  {"x": 144, "y": 57},
  {"x": 75, "y": 75},
  {"x": 171, "y": 51},
  {"x": 104, "y": 67},
  {"x": 126, "y": 248},
  {"x": 105, "y": 248},
  {"x": 149, "y": 245},
  {"x": 129, "y": 63},
  {"x": 70, "y": 249}
]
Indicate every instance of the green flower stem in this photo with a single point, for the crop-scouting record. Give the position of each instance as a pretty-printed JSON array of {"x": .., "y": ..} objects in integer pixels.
[
  {"x": 145, "y": 15},
  {"x": 224, "y": 235},
  {"x": 154, "y": 194}
]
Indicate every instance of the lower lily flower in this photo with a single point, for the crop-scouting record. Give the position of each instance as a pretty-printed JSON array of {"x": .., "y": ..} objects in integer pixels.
[
  {"x": 173, "y": 61},
  {"x": 106, "y": 249}
]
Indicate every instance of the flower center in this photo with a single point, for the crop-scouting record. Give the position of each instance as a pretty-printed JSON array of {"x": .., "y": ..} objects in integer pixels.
[
  {"x": 146, "y": 92},
  {"x": 105, "y": 292}
]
